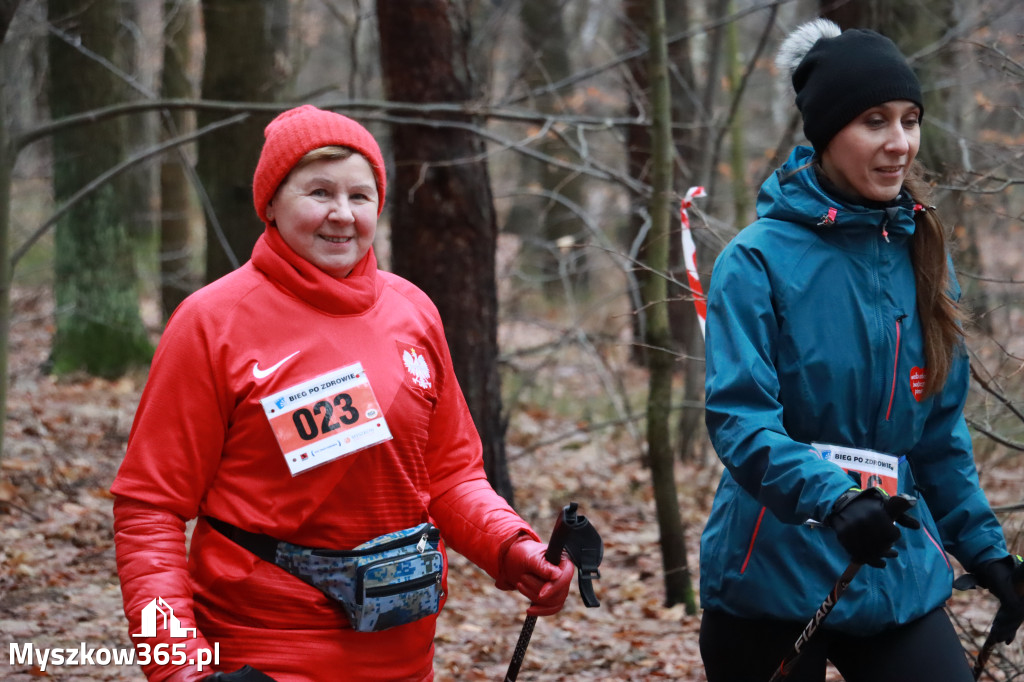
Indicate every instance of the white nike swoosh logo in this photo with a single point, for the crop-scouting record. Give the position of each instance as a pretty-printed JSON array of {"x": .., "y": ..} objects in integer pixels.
[{"x": 264, "y": 373}]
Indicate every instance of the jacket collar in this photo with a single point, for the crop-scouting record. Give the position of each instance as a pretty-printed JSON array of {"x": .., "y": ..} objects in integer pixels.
[
  {"x": 795, "y": 194},
  {"x": 351, "y": 295}
]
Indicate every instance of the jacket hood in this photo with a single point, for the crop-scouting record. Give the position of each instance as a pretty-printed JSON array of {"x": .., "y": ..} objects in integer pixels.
[{"x": 794, "y": 194}]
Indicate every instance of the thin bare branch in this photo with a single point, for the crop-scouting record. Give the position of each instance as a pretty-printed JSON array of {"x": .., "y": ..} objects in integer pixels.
[
  {"x": 986, "y": 385},
  {"x": 113, "y": 172}
]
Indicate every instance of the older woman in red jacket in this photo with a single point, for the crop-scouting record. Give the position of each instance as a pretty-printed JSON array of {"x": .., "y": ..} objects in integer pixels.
[{"x": 302, "y": 406}]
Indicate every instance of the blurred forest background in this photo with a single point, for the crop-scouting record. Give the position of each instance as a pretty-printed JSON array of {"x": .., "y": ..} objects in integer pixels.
[{"x": 538, "y": 152}]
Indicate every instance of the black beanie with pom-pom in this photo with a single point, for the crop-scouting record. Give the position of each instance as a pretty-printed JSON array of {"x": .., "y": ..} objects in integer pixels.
[{"x": 841, "y": 76}]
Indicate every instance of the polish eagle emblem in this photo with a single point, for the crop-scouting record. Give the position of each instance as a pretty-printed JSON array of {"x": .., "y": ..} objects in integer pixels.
[{"x": 417, "y": 367}]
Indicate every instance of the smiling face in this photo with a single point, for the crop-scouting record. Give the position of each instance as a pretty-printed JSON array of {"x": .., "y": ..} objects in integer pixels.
[
  {"x": 870, "y": 157},
  {"x": 326, "y": 211}
]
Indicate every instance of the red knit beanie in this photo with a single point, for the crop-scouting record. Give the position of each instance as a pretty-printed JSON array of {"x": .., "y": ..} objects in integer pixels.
[{"x": 299, "y": 131}]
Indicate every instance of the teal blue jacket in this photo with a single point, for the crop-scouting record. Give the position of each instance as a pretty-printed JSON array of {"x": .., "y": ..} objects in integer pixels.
[{"x": 813, "y": 335}]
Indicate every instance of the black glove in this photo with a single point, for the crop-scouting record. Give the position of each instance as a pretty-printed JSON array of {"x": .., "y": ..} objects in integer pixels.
[
  {"x": 244, "y": 674},
  {"x": 865, "y": 523},
  {"x": 1004, "y": 578}
]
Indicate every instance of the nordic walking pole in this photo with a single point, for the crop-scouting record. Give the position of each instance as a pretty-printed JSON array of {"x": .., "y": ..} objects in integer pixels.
[
  {"x": 983, "y": 655},
  {"x": 990, "y": 640},
  {"x": 896, "y": 506},
  {"x": 844, "y": 581},
  {"x": 575, "y": 535}
]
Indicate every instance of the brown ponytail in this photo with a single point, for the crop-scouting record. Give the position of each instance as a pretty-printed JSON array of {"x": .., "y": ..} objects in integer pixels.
[{"x": 941, "y": 317}]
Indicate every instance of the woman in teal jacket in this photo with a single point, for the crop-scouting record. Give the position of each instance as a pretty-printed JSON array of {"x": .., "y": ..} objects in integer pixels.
[{"x": 835, "y": 364}]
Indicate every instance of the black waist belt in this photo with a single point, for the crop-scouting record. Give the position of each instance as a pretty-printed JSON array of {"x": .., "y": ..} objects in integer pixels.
[{"x": 263, "y": 546}]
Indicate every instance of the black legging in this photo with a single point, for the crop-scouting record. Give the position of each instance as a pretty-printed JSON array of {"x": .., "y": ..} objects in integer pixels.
[{"x": 743, "y": 650}]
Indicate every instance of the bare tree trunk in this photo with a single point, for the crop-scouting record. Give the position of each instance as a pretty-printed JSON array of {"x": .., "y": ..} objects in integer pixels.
[
  {"x": 138, "y": 54},
  {"x": 7, "y": 159},
  {"x": 177, "y": 272},
  {"x": 717, "y": 9},
  {"x": 240, "y": 65},
  {"x": 737, "y": 153},
  {"x": 443, "y": 225},
  {"x": 660, "y": 359},
  {"x": 99, "y": 328},
  {"x": 7, "y": 10},
  {"x": 549, "y": 223},
  {"x": 638, "y": 163},
  {"x": 690, "y": 117}
]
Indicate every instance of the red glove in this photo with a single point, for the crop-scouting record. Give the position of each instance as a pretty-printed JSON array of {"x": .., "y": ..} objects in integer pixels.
[{"x": 543, "y": 583}]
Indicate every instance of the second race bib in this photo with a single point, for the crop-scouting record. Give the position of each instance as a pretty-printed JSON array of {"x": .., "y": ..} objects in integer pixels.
[{"x": 868, "y": 467}]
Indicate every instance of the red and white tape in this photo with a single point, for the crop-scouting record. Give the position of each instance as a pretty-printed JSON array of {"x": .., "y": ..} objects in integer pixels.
[{"x": 690, "y": 256}]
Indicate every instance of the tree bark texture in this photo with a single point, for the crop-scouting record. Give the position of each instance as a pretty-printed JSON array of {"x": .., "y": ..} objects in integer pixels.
[
  {"x": 689, "y": 116},
  {"x": 660, "y": 359},
  {"x": 7, "y": 159},
  {"x": 99, "y": 328},
  {"x": 638, "y": 163},
  {"x": 239, "y": 66},
  {"x": 550, "y": 218},
  {"x": 7, "y": 10},
  {"x": 177, "y": 276},
  {"x": 443, "y": 223}
]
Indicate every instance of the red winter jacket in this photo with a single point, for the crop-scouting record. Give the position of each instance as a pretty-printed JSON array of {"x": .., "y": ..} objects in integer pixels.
[{"x": 202, "y": 446}]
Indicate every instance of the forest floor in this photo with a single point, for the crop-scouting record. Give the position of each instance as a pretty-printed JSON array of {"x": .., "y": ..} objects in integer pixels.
[{"x": 58, "y": 584}]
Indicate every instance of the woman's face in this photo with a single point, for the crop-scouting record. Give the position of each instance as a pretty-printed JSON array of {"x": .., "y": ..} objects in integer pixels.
[
  {"x": 326, "y": 211},
  {"x": 870, "y": 157}
]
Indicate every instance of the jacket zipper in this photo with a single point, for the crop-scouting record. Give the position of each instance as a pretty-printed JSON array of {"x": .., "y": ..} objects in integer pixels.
[
  {"x": 942, "y": 552},
  {"x": 431, "y": 536},
  {"x": 399, "y": 588},
  {"x": 927, "y": 533},
  {"x": 895, "y": 366},
  {"x": 753, "y": 537}
]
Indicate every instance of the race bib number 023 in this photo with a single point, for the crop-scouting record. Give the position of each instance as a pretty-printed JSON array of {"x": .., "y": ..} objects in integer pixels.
[{"x": 326, "y": 418}]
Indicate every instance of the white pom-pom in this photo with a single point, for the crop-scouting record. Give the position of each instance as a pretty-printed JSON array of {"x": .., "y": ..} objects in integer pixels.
[{"x": 802, "y": 39}]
